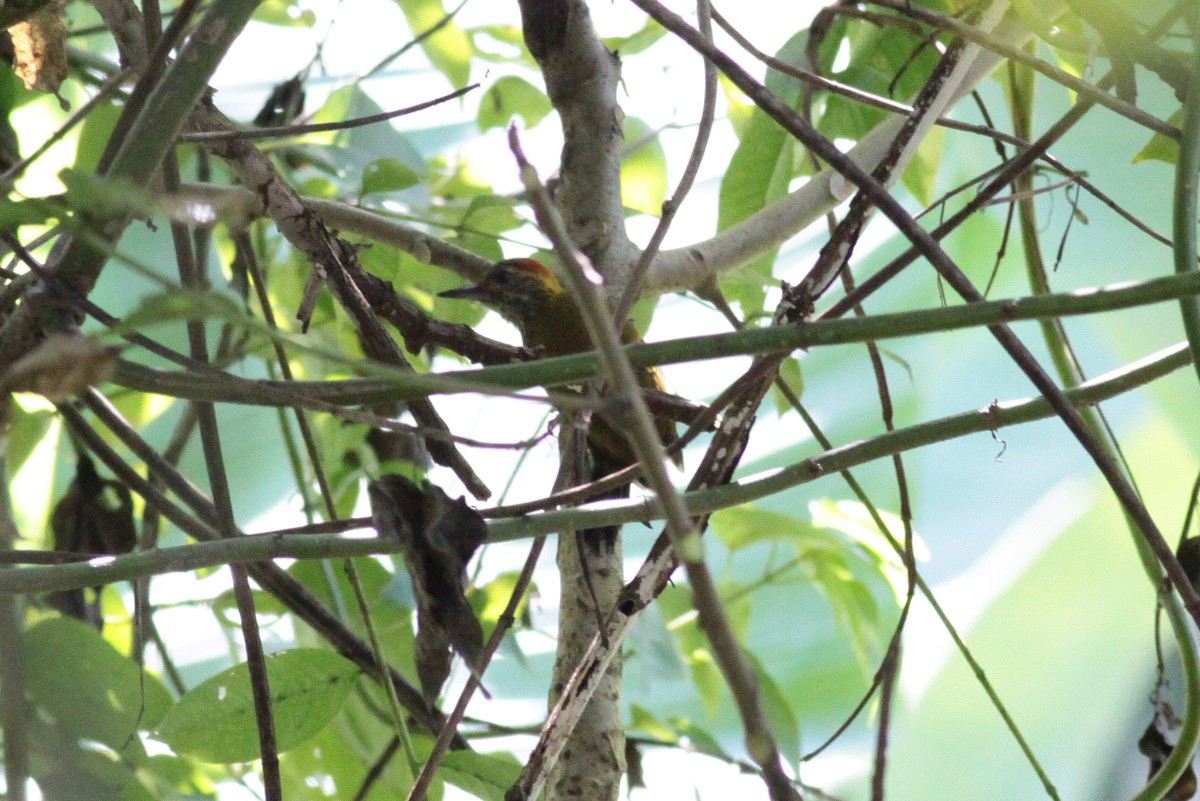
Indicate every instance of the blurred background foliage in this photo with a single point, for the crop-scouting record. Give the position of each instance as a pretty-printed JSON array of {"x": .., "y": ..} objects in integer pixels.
[{"x": 1020, "y": 539}]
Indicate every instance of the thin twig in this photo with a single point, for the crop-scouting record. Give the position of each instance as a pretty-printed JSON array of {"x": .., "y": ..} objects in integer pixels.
[
  {"x": 950, "y": 272},
  {"x": 105, "y": 92},
  {"x": 299, "y": 130},
  {"x": 191, "y": 276},
  {"x": 503, "y": 624},
  {"x": 671, "y": 206},
  {"x": 269, "y": 576},
  {"x": 1085, "y": 89},
  {"x": 643, "y": 439}
]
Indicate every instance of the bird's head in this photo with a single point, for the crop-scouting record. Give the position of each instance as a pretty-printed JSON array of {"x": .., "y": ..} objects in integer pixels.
[{"x": 521, "y": 290}]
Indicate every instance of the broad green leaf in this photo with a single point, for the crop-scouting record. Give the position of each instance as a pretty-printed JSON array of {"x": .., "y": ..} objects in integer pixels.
[
  {"x": 141, "y": 409},
  {"x": 267, "y": 608},
  {"x": 216, "y": 721},
  {"x": 759, "y": 173},
  {"x": 388, "y": 175},
  {"x": 650, "y": 642},
  {"x": 740, "y": 108},
  {"x": 742, "y": 526},
  {"x": 392, "y": 619},
  {"x": 485, "y": 776},
  {"x": 351, "y": 152},
  {"x": 638, "y": 41},
  {"x": 491, "y": 215},
  {"x": 920, "y": 176},
  {"x": 15, "y": 213},
  {"x": 176, "y": 772},
  {"x": 1161, "y": 148},
  {"x": 780, "y": 716},
  {"x": 448, "y": 49},
  {"x": 790, "y": 373},
  {"x": 97, "y": 128},
  {"x": 490, "y": 600},
  {"x": 884, "y": 61},
  {"x": 87, "y": 775},
  {"x": 88, "y": 689},
  {"x": 706, "y": 677},
  {"x": 25, "y": 431},
  {"x": 1053, "y": 31},
  {"x": 459, "y": 180},
  {"x": 182, "y": 304},
  {"x": 643, "y": 720},
  {"x": 852, "y": 519},
  {"x": 676, "y": 607},
  {"x": 700, "y": 739},
  {"x": 644, "y": 170},
  {"x": 511, "y": 96},
  {"x": 345, "y": 751},
  {"x": 509, "y": 37}
]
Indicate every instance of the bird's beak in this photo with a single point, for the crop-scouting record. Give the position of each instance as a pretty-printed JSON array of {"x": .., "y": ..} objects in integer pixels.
[{"x": 464, "y": 293}]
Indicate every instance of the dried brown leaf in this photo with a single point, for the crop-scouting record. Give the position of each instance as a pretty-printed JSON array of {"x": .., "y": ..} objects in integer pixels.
[
  {"x": 62, "y": 367},
  {"x": 439, "y": 537},
  {"x": 40, "y": 51},
  {"x": 95, "y": 517}
]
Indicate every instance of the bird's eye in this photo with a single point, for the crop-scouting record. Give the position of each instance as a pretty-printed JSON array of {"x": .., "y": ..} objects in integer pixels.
[{"x": 500, "y": 277}]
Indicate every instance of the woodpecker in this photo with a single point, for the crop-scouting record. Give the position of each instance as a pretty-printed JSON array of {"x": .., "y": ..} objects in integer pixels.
[{"x": 527, "y": 294}]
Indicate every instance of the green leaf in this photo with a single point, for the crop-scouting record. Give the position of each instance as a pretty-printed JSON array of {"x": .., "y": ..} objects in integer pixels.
[
  {"x": 638, "y": 41},
  {"x": 393, "y": 620},
  {"x": 759, "y": 173},
  {"x": 215, "y": 721},
  {"x": 739, "y": 107},
  {"x": 141, "y": 409},
  {"x": 920, "y": 176},
  {"x": 87, "y": 775},
  {"x": 643, "y": 720},
  {"x": 742, "y": 526},
  {"x": 284, "y": 13},
  {"x": 650, "y": 642},
  {"x": 644, "y": 171},
  {"x": 267, "y": 608},
  {"x": 700, "y": 740},
  {"x": 885, "y": 61},
  {"x": 106, "y": 197},
  {"x": 512, "y": 96},
  {"x": 79, "y": 680},
  {"x": 676, "y": 607},
  {"x": 1162, "y": 148},
  {"x": 388, "y": 175},
  {"x": 15, "y": 213},
  {"x": 97, "y": 129},
  {"x": 182, "y": 304},
  {"x": 490, "y": 600},
  {"x": 486, "y": 776},
  {"x": 344, "y": 752},
  {"x": 790, "y": 373},
  {"x": 25, "y": 432},
  {"x": 1052, "y": 31},
  {"x": 351, "y": 152},
  {"x": 448, "y": 49},
  {"x": 780, "y": 716},
  {"x": 852, "y": 519},
  {"x": 490, "y": 214},
  {"x": 509, "y": 36}
]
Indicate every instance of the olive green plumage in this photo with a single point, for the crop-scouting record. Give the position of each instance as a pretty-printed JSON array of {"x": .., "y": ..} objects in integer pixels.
[{"x": 528, "y": 295}]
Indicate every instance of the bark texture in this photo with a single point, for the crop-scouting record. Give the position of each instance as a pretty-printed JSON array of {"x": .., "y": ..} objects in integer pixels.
[{"x": 581, "y": 77}]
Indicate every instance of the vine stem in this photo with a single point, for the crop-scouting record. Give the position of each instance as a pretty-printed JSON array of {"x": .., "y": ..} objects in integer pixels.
[{"x": 794, "y": 124}]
